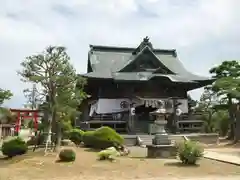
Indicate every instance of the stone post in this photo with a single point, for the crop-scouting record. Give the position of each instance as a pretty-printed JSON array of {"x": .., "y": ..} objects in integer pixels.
[
  {"x": 161, "y": 145},
  {"x": 161, "y": 137}
]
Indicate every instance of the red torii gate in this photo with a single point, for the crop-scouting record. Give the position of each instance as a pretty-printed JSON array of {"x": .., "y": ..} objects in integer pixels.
[{"x": 23, "y": 114}]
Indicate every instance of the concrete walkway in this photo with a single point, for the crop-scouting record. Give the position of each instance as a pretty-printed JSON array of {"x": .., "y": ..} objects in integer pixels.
[
  {"x": 198, "y": 178},
  {"x": 222, "y": 157}
]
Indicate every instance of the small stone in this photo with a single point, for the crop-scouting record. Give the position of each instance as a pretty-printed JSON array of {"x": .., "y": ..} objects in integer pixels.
[{"x": 124, "y": 151}]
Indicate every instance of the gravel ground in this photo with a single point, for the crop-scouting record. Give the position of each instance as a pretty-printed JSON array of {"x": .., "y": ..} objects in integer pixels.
[{"x": 87, "y": 167}]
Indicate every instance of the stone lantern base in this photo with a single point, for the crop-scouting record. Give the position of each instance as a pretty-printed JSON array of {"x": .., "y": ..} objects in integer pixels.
[
  {"x": 162, "y": 151},
  {"x": 161, "y": 139}
]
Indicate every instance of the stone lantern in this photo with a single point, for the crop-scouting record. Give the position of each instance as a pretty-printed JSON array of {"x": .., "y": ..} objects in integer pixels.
[
  {"x": 161, "y": 147},
  {"x": 161, "y": 137}
]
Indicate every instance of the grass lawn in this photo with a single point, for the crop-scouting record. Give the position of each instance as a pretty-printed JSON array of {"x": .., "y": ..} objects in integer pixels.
[{"x": 36, "y": 166}]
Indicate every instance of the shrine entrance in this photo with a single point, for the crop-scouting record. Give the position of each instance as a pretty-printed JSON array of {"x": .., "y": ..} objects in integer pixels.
[
  {"x": 25, "y": 114},
  {"x": 143, "y": 118}
]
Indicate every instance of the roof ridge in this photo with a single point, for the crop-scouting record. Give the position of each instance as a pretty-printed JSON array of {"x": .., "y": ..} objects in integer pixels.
[{"x": 122, "y": 48}]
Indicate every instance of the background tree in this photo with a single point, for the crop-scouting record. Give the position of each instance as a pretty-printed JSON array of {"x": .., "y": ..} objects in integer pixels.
[
  {"x": 206, "y": 105},
  {"x": 5, "y": 95},
  {"x": 34, "y": 97},
  {"x": 5, "y": 115},
  {"x": 191, "y": 103},
  {"x": 214, "y": 116},
  {"x": 227, "y": 88},
  {"x": 57, "y": 78}
]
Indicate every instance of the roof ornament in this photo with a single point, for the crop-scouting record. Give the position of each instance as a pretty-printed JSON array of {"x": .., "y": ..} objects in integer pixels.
[
  {"x": 146, "y": 42},
  {"x": 146, "y": 39},
  {"x": 143, "y": 44}
]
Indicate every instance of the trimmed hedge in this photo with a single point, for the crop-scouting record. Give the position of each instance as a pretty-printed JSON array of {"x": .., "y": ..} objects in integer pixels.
[
  {"x": 14, "y": 147},
  {"x": 88, "y": 138},
  {"x": 67, "y": 155},
  {"x": 102, "y": 138},
  {"x": 75, "y": 135}
]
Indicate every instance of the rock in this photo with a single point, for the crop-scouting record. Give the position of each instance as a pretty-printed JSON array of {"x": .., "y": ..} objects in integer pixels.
[
  {"x": 67, "y": 142},
  {"x": 143, "y": 146},
  {"x": 124, "y": 151},
  {"x": 111, "y": 148},
  {"x": 139, "y": 141}
]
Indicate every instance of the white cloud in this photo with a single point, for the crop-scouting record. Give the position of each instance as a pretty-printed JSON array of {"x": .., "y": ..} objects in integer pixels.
[{"x": 193, "y": 27}]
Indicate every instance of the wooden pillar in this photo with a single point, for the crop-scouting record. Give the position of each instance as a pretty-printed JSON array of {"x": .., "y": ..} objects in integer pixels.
[
  {"x": 237, "y": 128},
  {"x": 0, "y": 132},
  {"x": 35, "y": 116},
  {"x": 17, "y": 127}
]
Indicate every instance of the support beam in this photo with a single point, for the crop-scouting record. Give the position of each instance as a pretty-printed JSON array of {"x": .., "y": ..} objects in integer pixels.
[
  {"x": 18, "y": 123},
  {"x": 35, "y": 116}
]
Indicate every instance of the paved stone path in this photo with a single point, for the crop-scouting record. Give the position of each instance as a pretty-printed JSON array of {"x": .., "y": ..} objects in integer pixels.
[
  {"x": 200, "y": 178},
  {"x": 229, "y": 150},
  {"x": 223, "y": 157},
  {"x": 229, "y": 157}
]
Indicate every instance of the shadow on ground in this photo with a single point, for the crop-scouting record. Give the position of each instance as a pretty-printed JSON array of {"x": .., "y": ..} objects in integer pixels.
[
  {"x": 5, "y": 161},
  {"x": 179, "y": 164},
  {"x": 91, "y": 150}
]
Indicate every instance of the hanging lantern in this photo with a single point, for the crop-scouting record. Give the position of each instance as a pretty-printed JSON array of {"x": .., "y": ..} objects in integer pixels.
[{"x": 178, "y": 112}]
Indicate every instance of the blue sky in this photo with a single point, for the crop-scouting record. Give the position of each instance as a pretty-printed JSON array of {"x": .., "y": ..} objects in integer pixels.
[{"x": 204, "y": 32}]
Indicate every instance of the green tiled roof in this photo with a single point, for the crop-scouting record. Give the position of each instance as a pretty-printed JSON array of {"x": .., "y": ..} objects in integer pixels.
[
  {"x": 106, "y": 62},
  {"x": 109, "y": 61}
]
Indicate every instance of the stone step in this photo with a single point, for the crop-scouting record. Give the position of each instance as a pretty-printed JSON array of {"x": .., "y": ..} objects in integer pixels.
[
  {"x": 176, "y": 138},
  {"x": 147, "y": 139},
  {"x": 131, "y": 140}
]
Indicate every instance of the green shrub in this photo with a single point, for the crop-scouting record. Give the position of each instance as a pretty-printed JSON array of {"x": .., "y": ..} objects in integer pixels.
[
  {"x": 75, "y": 135},
  {"x": 108, "y": 154},
  {"x": 222, "y": 121},
  {"x": 66, "y": 126},
  {"x": 88, "y": 138},
  {"x": 67, "y": 155},
  {"x": 223, "y": 126},
  {"x": 13, "y": 147},
  {"x": 189, "y": 152},
  {"x": 40, "y": 126},
  {"x": 102, "y": 138}
]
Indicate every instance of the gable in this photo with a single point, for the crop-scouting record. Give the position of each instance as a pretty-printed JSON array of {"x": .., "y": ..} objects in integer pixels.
[
  {"x": 142, "y": 63},
  {"x": 145, "y": 61}
]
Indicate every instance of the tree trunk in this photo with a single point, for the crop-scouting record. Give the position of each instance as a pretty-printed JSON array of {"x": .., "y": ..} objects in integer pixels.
[
  {"x": 231, "y": 133},
  {"x": 237, "y": 128},
  {"x": 55, "y": 124},
  {"x": 46, "y": 123},
  {"x": 210, "y": 121},
  {"x": 58, "y": 135},
  {"x": 56, "y": 129}
]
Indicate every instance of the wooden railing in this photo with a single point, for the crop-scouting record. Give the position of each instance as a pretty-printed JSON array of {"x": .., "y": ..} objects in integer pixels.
[{"x": 191, "y": 122}]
